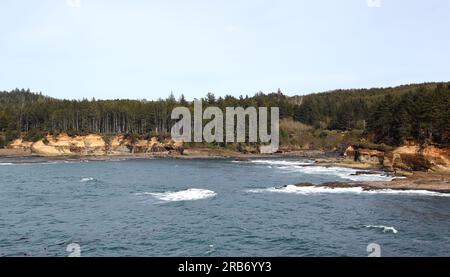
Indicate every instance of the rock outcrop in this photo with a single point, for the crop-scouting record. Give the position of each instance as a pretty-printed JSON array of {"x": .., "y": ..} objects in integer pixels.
[
  {"x": 119, "y": 145},
  {"x": 364, "y": 155},
  {"x": 95, "y": 145},
  {"x": 42, "y": 149},
  {"x": 419, "y": 158},
  {"x": 63, "y": 144},
  {"x": 434, "y": 182},
  {"x": 19, "y": 144},
  {"x": 405, "y": 158}
]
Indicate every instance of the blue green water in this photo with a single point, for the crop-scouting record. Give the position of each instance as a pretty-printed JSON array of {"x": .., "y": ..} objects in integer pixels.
[{"x": 209, "y": 208}]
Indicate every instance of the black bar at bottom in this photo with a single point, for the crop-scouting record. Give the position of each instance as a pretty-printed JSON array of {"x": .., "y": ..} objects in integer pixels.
[{"x": 224, "y": 266}]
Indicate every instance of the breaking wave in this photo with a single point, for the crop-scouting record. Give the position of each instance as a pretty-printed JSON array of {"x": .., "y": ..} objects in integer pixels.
[
  {"x": 384, "y": 228},
  {"x": 184, "y": 195},
  {"x": 311, "y": 190},
  {"x": 282, "y": 162},
  {"x": 309, "y": 167},
  {"x": 84, "y": 180},
  {"x": 31, "y": 163}
]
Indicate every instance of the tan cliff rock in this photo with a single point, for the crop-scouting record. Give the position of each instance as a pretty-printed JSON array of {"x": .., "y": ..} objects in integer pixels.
[
  {"x": 407, "y": 158},
  {"x": 364, "y": 155},
  {"x": 95, "y": 145},
  {"x": 19, "y": 144},
  {"x": 419, "y": 158},
  {"x": 175, "y": 146},
  {"x": 42, "y": 149},
  {"x": 155, "y": 146},
  {"x": 63, "y": 144},
  {"x": 119, "y": 145},
  {"x": 438, "y": 156}
]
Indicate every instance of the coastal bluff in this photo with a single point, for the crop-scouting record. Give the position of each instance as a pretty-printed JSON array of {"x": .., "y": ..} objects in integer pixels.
[
  {"x": 95, "y": 145},
  {"x": 410, "y": 157}
]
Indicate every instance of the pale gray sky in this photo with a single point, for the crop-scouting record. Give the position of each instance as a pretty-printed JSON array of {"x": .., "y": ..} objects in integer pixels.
[{"x": 145, "y": 49}]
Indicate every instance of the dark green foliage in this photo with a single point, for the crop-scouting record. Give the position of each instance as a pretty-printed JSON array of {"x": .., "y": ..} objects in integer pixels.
[
  {"x": 422, "y": 115},
  {"x": 132, "y": 137},
  {"x": 2, "y": 142},
  {"x": 22, "y": 111},
  {"x": 388, "y": 115},
  {"x": 34, "y": 135},
  {"x": 11, "y": 135}
]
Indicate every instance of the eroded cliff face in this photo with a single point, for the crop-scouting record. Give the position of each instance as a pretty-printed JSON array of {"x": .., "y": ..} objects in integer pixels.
[
  {"x": 120, "y": 145},
  {"x": 418, "y": 158},
  {"x": 408, "y": 158},
  {"x": 19, "y": 144},
  {"x": 95, "y": 145},
  {"x": 364, "y": 155}
]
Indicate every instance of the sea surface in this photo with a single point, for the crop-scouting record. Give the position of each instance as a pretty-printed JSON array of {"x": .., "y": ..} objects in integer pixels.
[{"x": 208, "y": 207}]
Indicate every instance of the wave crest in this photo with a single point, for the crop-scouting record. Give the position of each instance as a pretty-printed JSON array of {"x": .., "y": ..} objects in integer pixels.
[
  {"x": 184, "y": 195},
  {"x": 384, "y": 228},
  {"x": 282, "y": 162},
  {"x": 309, "y": 167},
  {"x": 311, "y": 190}
]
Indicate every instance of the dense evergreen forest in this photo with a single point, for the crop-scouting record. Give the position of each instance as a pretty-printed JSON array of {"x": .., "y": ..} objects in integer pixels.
[{"x": 385, "y": 115}]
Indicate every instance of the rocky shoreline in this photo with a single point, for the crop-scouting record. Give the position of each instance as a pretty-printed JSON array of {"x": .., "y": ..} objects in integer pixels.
[
  {"x": 190, "y": 154},
  {"x": 437, "y": 180}
]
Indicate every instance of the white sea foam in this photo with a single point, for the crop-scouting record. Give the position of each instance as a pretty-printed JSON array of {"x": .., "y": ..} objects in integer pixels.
[
  {"x": 30, "y": 163},
  {"x": 211, "y": 249},
  {"x": 307, "y": 190},
  {"x": 33, "y": 163},
  {"x": 75, "y": 161},
  {"x": 84, "y": 180},
  {"x": 282, "y": 162},
  {"x": 184, "y": 195},
  {"x": 311, "y": 190},
  {"x": 384, "y": 228},
  {"x": 342, "y": 172},
  {"x": 26, "y": 164},
  {"x": 308, "y": 167}
]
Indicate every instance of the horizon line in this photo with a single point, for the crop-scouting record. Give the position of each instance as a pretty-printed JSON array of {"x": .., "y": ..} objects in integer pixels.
[{"x": 223, "y": 96}]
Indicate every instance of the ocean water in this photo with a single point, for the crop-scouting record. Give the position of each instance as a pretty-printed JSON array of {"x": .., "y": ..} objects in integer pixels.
[{"x": 210, "y": 208}]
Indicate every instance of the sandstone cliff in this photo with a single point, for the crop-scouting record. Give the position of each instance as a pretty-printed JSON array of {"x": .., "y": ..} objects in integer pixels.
[
  {"x": 95, "y": 145},
  {"x": 407, "y": 158},
  {"x": 19, "y": 144}
]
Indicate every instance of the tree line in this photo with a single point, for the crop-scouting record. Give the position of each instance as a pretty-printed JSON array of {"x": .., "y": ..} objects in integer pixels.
[{"x": 387, "y": 115}]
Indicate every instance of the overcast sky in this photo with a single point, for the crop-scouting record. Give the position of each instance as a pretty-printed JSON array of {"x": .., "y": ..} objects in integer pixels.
[{"x": 146, "y": 49}]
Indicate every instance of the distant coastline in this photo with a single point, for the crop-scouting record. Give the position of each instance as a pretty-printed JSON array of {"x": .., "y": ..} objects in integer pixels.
[
  {"x": 403, "y": 131},
  {"x": 434, "y": 181}
]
